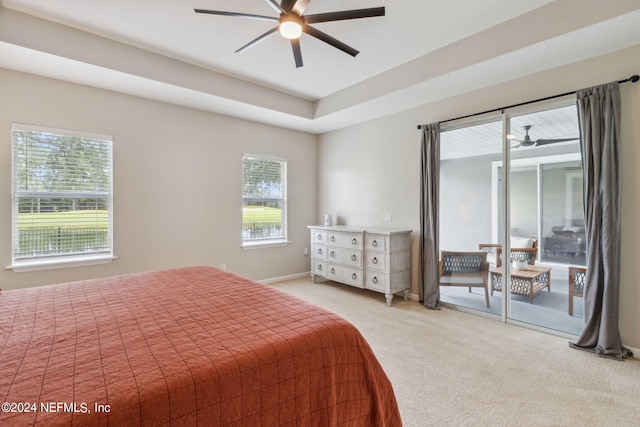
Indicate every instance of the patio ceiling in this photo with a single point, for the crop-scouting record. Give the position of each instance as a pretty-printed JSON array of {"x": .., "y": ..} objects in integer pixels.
[{"x": 486, "y": 138}]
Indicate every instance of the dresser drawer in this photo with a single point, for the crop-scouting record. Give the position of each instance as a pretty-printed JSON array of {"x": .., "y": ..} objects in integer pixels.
[
  {"x": 345, "y": 240},
  {"x": 350, "y": 276},
  {"x": 376, "y": 281},
  {"x": 387, "y": 282},
  {"x": 352, "y": 258},
  {"x": 376, "y": 261},
  {"x": 318, "y": 236},
  {"x": 389, "y": 262},
  {"x": 319, "y": 251},
  {"x": 376, "y": 242},
  {"x": 319, "y": 267}
]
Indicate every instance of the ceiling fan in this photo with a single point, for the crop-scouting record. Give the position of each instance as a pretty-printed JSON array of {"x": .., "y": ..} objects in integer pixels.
[
  {"x": 527, "y": 142},
  {"x": 292, "y": 22}
]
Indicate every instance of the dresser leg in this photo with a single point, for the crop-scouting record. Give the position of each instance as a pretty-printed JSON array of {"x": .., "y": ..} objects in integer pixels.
[
  {"x": 313, "y": 278},
  {"x": 406, "y": 294},
  {"x": 389, "y": 298}
]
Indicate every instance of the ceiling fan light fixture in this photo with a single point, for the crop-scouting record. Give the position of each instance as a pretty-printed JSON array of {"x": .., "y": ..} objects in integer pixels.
[
  {"x": 292, "y": 22},
  {"x": 290, "y": 30}
]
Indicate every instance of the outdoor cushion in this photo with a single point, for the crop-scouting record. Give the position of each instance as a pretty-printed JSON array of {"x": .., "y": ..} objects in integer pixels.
[
  {"x": 520, "y": 242},
  {"x": 461, "y": 279}
]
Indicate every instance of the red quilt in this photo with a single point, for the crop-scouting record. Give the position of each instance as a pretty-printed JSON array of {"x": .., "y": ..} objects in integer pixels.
[{"x": 191, "y": 346}]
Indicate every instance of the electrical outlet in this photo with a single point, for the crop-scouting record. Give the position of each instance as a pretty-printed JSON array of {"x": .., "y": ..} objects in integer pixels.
[
  {"x": 223, "y": 266},
  {"x": 387, "y": 217},
  {"x": 305, "y": 252}
]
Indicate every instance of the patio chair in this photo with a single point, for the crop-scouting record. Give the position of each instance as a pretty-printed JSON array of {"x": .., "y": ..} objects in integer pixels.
[
  {"x": 577, "y": 276},
  {"x": 494, "y": 253},
  {"x": 519, "y": 249},
  {"x": 528, "y": 254},
  {"x": 466, "y": 269},
  {"x": 490, "y": 249}
]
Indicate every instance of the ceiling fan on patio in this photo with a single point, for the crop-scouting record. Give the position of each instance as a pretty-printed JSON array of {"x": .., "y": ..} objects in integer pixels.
[
  {"x": 528, "y": 142},
  {"x": 292, "y": 22}
]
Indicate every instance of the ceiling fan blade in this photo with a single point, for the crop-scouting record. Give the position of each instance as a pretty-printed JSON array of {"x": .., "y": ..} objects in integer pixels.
[
  {"x": 553, "y": 141},
  {"x": 345, "y": 14},
  {"x": 287, "y": 5},
  {"x": 258, "y": 40},
  {"x": 297, "y": 53},
  {"x": 301, "y": 6},
  {"x": 329, "y": 40},
  {"x": 237, "y": 15},
  {"x": 275, "y": 5}
]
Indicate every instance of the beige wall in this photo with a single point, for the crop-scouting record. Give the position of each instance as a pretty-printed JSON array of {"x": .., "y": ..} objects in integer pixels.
[
  {"x": 373, "y": 168},
  {"x": 177, "y": 174}
]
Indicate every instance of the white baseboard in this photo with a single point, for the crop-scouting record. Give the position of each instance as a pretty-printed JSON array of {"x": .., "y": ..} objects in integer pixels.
[
  {"x": 283, "y": 278},
  {"x": 635, "y": 351}
]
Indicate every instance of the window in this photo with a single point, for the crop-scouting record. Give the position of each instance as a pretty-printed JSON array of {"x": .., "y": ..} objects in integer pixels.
[
  {"x": 62, "y": 198},
  {"x": 264, "y": 200}
]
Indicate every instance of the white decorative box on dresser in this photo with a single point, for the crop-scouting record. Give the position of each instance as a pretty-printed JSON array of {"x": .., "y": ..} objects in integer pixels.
[{"x": 378, "y": 259}]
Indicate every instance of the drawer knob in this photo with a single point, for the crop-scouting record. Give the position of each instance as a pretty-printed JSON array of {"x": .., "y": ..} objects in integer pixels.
[
  {"x": 319, "y": 266},
  {"x": 320, "y": 251},
  {"x": 333, "y": 271},
  {"x": 354, "y": 241},
  {"x": 374, "y": 243},
  {"x": 332, "y": 253},
  {"x": 319, "y": 236},
  {"x": 354, "y": 276},
  {"x": 374, "y": 260},
  {"x": 354, "y": 257},
  {"x": 375, "y": 280},
  {"x": 333, "y": 238}
]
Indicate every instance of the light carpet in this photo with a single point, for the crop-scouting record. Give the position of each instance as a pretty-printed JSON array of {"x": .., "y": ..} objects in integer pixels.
[{"x": 450, "y": 368}]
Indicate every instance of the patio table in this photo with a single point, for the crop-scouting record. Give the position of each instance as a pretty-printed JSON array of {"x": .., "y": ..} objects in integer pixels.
[{"x": 523, "y": 282}]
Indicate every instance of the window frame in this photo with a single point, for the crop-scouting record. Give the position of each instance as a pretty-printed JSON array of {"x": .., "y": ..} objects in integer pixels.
[
  {"x": 53, "y": 261},
  {"x": 256, "y": 243}
]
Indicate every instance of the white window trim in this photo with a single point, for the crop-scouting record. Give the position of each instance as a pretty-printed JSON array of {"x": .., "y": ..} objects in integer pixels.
[
  {"x": 258, "y": 244},
  {"x": 50, "y": 264}
]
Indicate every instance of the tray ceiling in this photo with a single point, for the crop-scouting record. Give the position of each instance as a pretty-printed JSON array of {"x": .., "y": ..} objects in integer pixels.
[{"x": 420, "y": 52}]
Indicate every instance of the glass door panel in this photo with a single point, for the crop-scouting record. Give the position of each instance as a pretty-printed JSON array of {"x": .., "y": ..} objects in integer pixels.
[
  {"x": 546, "y": 217},
  {"x": 468, "y": 210}
]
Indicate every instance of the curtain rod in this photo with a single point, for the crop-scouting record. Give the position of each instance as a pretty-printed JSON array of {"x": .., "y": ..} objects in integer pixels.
[{"x": 631, "y": 79}]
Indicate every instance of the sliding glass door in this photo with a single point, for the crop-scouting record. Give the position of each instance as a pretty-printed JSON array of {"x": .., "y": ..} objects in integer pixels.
[
  {"x": 546, "y": 213},
  {"x": 511, "y": 186}
]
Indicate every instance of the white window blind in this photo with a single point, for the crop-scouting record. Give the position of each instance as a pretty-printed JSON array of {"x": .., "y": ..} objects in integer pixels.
[
  {"x": 264, "y": 195},
  {"x": 62, "y": 195}
]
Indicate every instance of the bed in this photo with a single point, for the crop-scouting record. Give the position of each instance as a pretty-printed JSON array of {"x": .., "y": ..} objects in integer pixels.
[{"x": 189, "y": 346}]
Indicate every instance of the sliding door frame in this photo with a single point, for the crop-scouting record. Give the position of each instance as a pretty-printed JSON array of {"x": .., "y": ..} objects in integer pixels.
[{"x": 503, "y": 205}]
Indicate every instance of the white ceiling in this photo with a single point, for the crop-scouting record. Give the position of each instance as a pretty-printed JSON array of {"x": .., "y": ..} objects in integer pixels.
[{"x": 420, "y": 52}]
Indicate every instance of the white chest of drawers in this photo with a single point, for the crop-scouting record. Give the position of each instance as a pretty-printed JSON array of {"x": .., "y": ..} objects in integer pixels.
[{"x": 378, "y": 259}]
